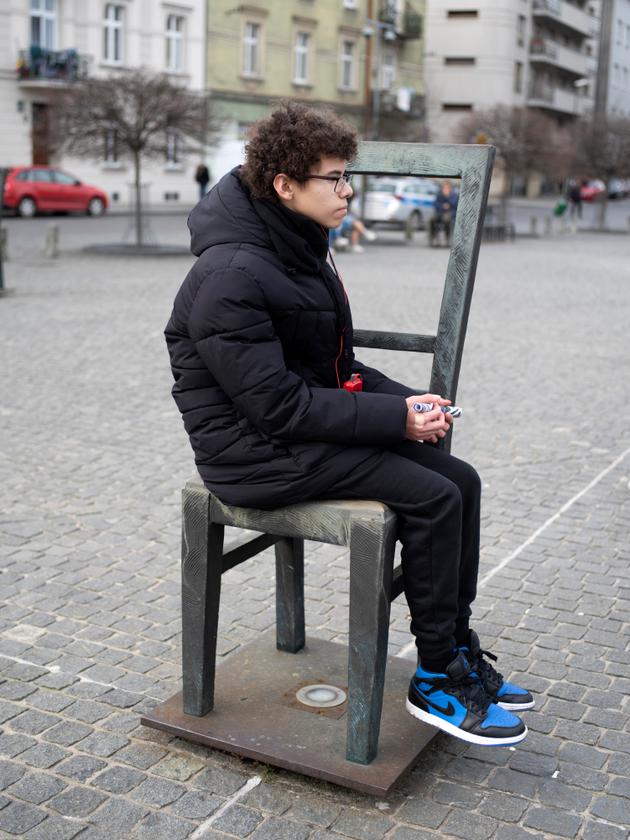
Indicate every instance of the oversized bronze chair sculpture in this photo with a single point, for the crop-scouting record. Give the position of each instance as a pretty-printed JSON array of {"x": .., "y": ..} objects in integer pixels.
[{"x": 368, "y": 528}]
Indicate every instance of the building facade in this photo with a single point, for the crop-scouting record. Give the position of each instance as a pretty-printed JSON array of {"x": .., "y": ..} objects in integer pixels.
[
  {"x": 529, "y": 53},
  {"x": 613, "y": 89},
  {"x": 46, "y": 45},
  {"x": 362, "y": 57}
]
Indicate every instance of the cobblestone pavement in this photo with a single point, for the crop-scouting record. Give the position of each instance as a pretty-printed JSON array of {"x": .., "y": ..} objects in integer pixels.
[{"x": 92, "y": 461}]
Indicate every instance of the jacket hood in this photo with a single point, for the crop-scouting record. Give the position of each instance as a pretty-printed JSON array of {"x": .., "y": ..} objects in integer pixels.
[{"x": 226, "y": 215}]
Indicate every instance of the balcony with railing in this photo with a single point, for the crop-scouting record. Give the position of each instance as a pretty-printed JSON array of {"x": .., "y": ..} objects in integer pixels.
[
  {"x": 546, "y": 51},
  {"x": 40, "y": 67},
  {"x": 565, "y": 14},
  {"x": 405, "y": 21},
  {"x": 544, "y": 94}
]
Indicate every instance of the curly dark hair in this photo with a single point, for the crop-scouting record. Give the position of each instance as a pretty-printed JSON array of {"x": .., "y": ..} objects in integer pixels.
[{"x": 292, "y": 140}]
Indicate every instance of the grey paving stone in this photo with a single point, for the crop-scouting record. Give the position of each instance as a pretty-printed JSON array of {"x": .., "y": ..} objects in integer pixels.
[
  {"x": 118, "y": 779},
  {"x": 55, "y": 828},
  {"x": 102, "y": 744},
  {"x": 275, "y": 828},
  {"x": 424, "y": 813},
  {"x": 77, "y": 801},
  {"x": 12, "y": 744},
  {"x": 469, "y": 826},
  {"x": 141, "y": 756},
  {"x": 537, "y": 765},
  {"x": 67, "y": 733},
  {"x": 239, "y": 821},
  {"x": 178, "y": 766},
  {"x": 503, "y": 807},
  {"x": 512, "y": 781},
  {"x": 269, "y": 799},
  {"x": 585, "y": 777},
  {"x": 18, "y": 818},
  {"x": 612, "y": 808},
  {"x": 80, "y": 767},
  {"x": 196, "y": 805},
  {"x": 311, "y": 810},
  {"x": 157, "y": 825},
  {"x": 118, "y": 817},
  {"x": 9, "y": 710},
  {"x": 401, "y": 832},
  {"x": 514, "y": 832},
  {"x": 551, "y": 821},
  {"x": 43, "y": 755},
  {"x": 589, "y": 756},
  {"x": 156, "y": 791},
  {"x": 452, "y": 794},
  {"x": 594, "y": 830},
  {"x": 10, "y": 772},
  {"x": 219, "y": 780},
  {"x": 36, "y": 787}
]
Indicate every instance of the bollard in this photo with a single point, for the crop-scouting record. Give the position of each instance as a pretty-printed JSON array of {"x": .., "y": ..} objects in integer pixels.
[
  {"x": 4, "y": 244},
  {"x": 533, "y": 226},
  {"x": 547, "y": 225},
  {"x": 408, "y": 230},
  {"x": 628, "y": 222},
  {"x": 52, "y": 241},
  {"x": 573, "y": 226}
]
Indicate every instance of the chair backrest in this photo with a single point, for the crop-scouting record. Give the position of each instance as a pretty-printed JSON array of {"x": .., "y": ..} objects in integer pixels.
[{"x": 473, "y": 166}]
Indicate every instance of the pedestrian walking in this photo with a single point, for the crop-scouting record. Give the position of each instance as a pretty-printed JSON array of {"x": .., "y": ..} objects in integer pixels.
[
  {"x": 574, "y": 198},
  {"x": 202, "y": 177},
  {"x": 278, "y": 409}
]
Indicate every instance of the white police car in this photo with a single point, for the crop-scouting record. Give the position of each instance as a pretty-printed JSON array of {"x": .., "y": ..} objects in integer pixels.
[{"x": 394, "y": 201}]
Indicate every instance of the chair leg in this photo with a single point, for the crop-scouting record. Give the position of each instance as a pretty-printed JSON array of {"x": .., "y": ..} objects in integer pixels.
[
  {"x": 371, "y": 563},
  {"x": 202, "y": 555},
  {"x": 290, "y": 594}
]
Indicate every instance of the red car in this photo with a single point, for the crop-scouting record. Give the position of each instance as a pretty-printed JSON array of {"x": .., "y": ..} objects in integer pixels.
[
  {"x": 592, "y": 190},
  {"x": 35, "y": 189}
]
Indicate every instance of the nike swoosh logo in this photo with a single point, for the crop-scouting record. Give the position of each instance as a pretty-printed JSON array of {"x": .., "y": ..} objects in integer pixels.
[{"x": 449, "y": 710}]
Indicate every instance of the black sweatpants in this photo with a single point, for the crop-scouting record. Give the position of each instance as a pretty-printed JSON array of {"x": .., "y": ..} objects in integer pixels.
[{"x": 437, "y": 500}]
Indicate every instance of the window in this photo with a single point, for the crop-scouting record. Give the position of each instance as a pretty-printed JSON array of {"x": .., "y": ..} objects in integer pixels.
[
  {"x": 175, "y": 43},
  {"x": 302, "y": 44},
  {"x": 113, "y": 33},
  {"x": 242, "y": 130},
  {"x": 110, "y": 146},
  {"x": 388, "y": 69},
  {"x": 456, "y": 60},
  {"x": 173, "y": 148},
  {"x": 41, "y": 176},
  {"x": 456, "y": 106},
  {"x": 521, "y": 24},
  {"x": 350, "y": 4},
  {"x": 627, "y": 37},
  {"x": 462, "y": 13},
  {"x": 348, "y": 50},
  {"x": 64, "y": 178},
  {"x": 518, "y": 77},
  {"x": 251, "y": 49},
  {"x": 44, "y": 23},
  {"x": 620, "y": 32}
]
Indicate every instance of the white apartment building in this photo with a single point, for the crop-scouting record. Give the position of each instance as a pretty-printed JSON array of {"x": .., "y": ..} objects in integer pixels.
[
  {"x": 482, "y": 53},
  {"x": 47, "y": 44},
  {"x": 617, "y": 84}
]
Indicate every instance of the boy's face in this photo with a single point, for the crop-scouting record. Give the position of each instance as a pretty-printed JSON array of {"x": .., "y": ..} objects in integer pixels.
[{"x": 316, "y": 198}]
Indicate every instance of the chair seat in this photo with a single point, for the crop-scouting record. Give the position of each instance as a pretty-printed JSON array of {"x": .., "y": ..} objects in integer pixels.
[{"x": 328, "y": 521}]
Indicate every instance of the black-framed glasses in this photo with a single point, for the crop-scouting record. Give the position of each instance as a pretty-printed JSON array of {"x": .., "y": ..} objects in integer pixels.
[{"x": 339, "y": 180}]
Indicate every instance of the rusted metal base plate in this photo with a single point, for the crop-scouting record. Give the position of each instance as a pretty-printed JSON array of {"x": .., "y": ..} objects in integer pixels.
[{"x": 256, "y": 716}]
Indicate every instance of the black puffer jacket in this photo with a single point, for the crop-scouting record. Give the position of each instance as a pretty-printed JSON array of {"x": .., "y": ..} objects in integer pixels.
[{"x": 260, "y": 341}]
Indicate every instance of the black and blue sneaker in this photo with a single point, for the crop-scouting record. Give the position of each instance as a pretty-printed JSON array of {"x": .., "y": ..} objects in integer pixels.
[
  {"x": 505, "y": 694},
  {"x": 456, "y": 703}
]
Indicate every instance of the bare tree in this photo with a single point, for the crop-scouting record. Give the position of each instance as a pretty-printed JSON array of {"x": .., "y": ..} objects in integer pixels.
[
  {"x": 602, "y": 150},
  {"x": 141, "y": 110},
  {"x": 526, "y": 140}
]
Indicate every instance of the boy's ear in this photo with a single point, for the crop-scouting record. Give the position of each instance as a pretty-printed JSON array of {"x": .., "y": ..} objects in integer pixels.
[{"x": 283, "y": 187}]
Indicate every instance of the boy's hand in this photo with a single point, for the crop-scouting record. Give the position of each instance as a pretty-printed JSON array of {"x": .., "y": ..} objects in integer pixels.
[{"x": 431, "y": 425}]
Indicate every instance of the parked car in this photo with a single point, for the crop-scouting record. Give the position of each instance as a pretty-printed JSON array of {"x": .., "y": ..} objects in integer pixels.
[
  {"x": 618, "y": 188},
  {"x": 592, "y": 190},
  {"x": 39, "y": 189},
  {"x": 394, "y": 201}
]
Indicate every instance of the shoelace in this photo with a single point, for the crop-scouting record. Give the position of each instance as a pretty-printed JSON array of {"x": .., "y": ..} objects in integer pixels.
[
  {"x": 466, "y": 689},
  {"x": 489, "y": 675}
]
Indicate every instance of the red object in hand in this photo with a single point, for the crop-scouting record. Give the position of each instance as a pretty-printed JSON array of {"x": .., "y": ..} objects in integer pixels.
[{"x": 355, "y": 383}]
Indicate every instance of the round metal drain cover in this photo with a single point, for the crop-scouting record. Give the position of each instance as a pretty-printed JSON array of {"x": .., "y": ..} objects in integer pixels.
[{"x": 321, "y": 696}]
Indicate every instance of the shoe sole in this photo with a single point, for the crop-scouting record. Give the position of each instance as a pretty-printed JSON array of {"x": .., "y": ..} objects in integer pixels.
[
  {"x": 517, "y": 707},
  {"x": 445, "y": 726}
]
